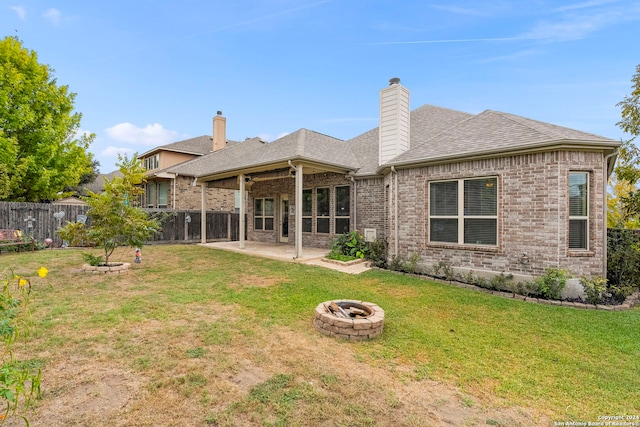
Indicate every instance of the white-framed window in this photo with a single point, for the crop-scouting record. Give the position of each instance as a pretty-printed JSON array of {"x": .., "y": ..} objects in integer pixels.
[
  {"x": 151, "y": 195},
  {"x": 578, "y": 210},
  {"x": 163, "y": 195},
  {"x": 343, "y": 209},
  {"x": 464, "y": 211},
  {"x": 263, "y": 213},
  {"x": 152, "y": 162},
  {"x": 322, "y": 210},
  {"x": 307, "y": 211}
]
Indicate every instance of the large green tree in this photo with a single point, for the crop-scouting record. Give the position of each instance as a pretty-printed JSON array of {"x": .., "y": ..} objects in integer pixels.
[
  {"x": 624, "y": 203},
  {"x": 41, "y": 152}
]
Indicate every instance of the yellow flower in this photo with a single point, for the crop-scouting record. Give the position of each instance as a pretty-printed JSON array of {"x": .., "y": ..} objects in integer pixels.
[
  {"x": 22, "y": 282},
  {"x": 42, "y": 272}
]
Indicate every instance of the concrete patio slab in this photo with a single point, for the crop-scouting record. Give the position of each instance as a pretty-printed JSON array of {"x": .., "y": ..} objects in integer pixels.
[{"x": 284, "y": 252}]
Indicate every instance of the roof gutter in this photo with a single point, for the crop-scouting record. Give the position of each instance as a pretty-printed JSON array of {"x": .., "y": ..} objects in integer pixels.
[
  {"x": 395, "y": 211},
  {"x": 555, "y": 145},
  {"x": 261, "y": 167}
]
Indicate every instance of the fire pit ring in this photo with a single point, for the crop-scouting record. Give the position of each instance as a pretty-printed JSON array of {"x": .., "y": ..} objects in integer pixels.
[{"x": 351, "y": 319}]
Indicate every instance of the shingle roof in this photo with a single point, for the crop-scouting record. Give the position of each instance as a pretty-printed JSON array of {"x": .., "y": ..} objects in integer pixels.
[
  {"x": 199, "y": 145},
  {"x": 214, "y": 160},
  {"x": 426, "y": 121},
  {"x": 303, "y": 144},
  {"x": 97, "y": 185},
  {"x": 437, "y": 134},
  {"x": 493, "y": 132}
]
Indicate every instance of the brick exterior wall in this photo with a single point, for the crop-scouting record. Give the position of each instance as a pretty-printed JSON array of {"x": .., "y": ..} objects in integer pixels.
[
  {"x": 189, "y": 197},
  {"x": 533, "y": 214},
  {"x": 276, "y": 187},
  {"x": 370, "y": 205}
]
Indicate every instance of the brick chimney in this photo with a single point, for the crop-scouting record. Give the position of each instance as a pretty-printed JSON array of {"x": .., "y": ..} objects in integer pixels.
[
  {"x": 394, "y": 134},
  {"x": 219, "y": 132}
]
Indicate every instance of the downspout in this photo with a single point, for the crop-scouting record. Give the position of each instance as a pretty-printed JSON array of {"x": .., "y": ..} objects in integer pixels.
[
  {"x": 605, "y": 171},
  {"x": 173, "y": 202},
  {"x": 395, "y": 211},
  {"x": 355, "y": 203}
]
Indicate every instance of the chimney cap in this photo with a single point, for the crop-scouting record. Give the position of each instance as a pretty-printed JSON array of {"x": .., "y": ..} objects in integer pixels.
[
  {"x": 394, "y": 81},
  {"x": 219, "y": 112}
]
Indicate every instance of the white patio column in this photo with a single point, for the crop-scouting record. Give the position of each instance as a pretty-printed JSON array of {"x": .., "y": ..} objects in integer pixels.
[
  {"x": 203, "y": 214},
  {"x": 298, "y": 237},
  {"x": 243, "y": 210}
]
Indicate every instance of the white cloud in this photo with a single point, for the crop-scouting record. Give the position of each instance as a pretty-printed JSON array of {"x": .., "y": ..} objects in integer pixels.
[
  {"x": 20, "y": 11},
  {"x": 152, "y": 135},
  {"x": 574, "y": 27},
  {"x": 584, "y": 5},
  {"x": 460, "y": 10},
  {"x": 267, "y": 137},
  {"x": 53, "y": 15}
]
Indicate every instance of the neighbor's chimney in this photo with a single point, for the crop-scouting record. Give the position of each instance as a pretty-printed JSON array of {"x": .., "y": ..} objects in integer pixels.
[
  {"x": 219, "y": 132},
  {"x": 394, "y": 121}
]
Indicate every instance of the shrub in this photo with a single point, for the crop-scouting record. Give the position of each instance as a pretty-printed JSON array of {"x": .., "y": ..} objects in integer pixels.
[
  {"x": 400, "y": 263},
  {"x": 501, "y": 281},
  {"x": 351, "y": 244},
  {"x": 551, "y": 284},
  {"x": 91, "y": 259},
  {"x": 623, "y": 259},
  {"x": 594, "y": 288},
  {"x": 75, "y": 233},
  {"x": 377, "y": 251},
  {"x": 443, "y": 270}
]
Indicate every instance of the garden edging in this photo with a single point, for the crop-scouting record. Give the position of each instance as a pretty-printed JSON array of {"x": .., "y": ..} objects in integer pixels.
[
  {"x": 117, "y": 268},
  {"x": 630, "y": 302}
]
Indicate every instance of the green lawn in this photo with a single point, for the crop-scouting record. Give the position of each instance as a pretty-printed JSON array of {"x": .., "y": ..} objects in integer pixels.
[{"x": 568, "y": 364}]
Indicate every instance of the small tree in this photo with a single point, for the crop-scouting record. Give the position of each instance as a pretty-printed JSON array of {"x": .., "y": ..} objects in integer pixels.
[{"x": 115, "y": 220}]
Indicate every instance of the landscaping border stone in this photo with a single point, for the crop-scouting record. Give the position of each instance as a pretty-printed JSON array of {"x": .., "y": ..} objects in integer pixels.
[{"x": 116, "y": 268}]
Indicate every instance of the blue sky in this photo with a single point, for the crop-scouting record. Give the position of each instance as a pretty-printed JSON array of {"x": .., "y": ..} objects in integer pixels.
[{"x": 148, "y": 73}]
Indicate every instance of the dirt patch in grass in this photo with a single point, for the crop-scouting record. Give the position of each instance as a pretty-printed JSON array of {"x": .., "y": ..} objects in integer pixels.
[
  {"x": 83, "y": 392},
  {"x": 187, "y": 382},
  {"x": 254, "y": 281}
]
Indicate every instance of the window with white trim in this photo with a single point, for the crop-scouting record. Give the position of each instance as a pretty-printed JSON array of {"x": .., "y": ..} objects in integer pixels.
[
  {"x": 263, "y": 214},
  {"x": 322, "y": 210},
  {"x": 343, "y": 209},
  {"x": 151, "y": 195},
  {"x": 578, "y": 210},
  {"x": 307, "y": 211},
  {"x": 163, "y": 194},
  {"x": 464, "y": 211},
  {"x": 152, "y": 162}
]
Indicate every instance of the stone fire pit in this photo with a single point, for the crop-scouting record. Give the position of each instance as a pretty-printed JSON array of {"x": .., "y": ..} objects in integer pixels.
[{"x": 349, "y": 319}]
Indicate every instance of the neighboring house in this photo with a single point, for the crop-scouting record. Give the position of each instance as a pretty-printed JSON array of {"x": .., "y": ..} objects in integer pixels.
[
  {"x": 169, "y": 190},
  {"x": 488, "y": 193}
]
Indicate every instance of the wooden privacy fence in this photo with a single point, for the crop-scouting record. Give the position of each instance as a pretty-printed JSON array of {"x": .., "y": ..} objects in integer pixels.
[
  {"x": 41, "y": 220},
  {"x": 181, "y": 226}
]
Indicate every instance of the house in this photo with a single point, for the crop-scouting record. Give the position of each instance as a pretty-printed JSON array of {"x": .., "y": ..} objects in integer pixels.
[
  {"x": 490, "y": 192},
  {"x": 169, "y": 190}
]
